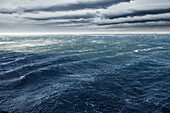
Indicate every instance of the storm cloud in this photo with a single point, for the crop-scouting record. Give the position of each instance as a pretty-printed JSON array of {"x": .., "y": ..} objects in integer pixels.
[
  {"x": 78, "y": 16},
  {"x": 84, "y": 15},
  {"x": 79, "y": 5},
  {"x": 140, "y": 13},
  {"x": 98, "y": 4},
  {"x": 138, "y": 21}
]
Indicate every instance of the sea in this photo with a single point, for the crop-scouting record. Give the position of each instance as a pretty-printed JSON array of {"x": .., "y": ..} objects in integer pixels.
[{"x": 85, "y": 73}]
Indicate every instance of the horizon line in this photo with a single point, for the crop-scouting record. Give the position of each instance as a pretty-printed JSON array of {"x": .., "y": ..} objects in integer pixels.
[{"x": 74, "y": 33}]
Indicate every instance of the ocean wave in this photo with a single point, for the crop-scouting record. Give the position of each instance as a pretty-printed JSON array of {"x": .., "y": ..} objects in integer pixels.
[
  {"x": 148, "y": 49},
  {"x": 16, "y": 60},
  {"x": 85, "y": 73}
]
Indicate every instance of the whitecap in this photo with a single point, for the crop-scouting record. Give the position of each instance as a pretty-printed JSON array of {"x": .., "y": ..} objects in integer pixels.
[{"x": 149, "y": 49}]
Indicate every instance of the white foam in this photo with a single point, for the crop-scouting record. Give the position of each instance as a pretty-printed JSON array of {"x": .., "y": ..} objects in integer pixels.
[
  {"x": 12, "y": 80},
  {"x": 149, "y": 49},
  {"x": 20, "y": 58},
  {"x": 7, "y": 42}
]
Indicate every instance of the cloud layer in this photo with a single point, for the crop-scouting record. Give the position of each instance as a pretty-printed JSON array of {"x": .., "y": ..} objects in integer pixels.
[{"x": 84, "y": 15}]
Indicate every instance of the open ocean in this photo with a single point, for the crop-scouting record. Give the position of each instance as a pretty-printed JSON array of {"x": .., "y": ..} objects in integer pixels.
[{"x": 123, "y": 73}]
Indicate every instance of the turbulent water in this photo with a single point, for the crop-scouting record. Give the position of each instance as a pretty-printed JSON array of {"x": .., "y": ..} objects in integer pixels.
[{"x": 85, "y": 73}]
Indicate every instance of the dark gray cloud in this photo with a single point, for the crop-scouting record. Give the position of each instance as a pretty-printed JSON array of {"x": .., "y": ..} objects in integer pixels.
[
  {"x": 136, "y": 21},
  {"x": 78, "y": 16},
  {"x": 88, "y": 15},
  {"x": 74, "y": 22},
  {"x": 6, "y": 12},
  {"x": 147, "y": 25},
  {"x": 98, "y": 4},
  {"x": 138, "y": 13},
  {"x": 71, "y": 21},
  {"x": 79, "y": 6}
]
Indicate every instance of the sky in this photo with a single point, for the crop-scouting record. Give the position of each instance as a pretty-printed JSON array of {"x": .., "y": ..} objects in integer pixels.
[{"x": 20, "y": 16}]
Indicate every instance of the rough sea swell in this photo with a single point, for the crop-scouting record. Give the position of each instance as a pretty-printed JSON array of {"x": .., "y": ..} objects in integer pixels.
[{"x": 85, "y": 73}]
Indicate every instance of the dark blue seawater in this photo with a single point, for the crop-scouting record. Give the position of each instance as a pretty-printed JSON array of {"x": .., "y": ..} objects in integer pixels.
[{"x": 85, "y": 73}]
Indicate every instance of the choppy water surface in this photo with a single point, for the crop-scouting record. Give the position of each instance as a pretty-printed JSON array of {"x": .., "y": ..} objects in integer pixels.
[{"x": 85, "y": 73}]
